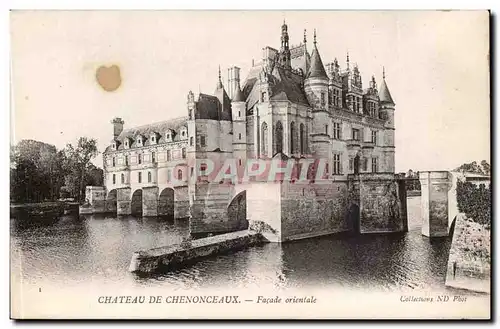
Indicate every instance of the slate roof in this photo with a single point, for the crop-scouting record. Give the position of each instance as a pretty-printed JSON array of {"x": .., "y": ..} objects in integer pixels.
[
  {"x": 238, "y": 96},
  {"x": 384, "y": 94},
  {"x": 284, "y": 84},
  {"x": 316, "y": 70},
  {"x": 146, "y": 130}
]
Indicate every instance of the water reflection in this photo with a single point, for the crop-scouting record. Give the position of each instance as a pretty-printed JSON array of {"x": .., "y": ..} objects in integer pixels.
[{"x": 95, "y": 250}]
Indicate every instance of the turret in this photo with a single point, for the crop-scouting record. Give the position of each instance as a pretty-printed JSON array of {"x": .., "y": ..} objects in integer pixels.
[
  {"x": 316, "y": 88},
  {"x": 238, "y": 107},
  {"x": 284, "y": 55},
  {"x": 387, "y": 107}
]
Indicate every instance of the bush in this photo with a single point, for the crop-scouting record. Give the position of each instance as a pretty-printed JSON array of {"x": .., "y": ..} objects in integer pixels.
[{"x": 475, "y": 202}]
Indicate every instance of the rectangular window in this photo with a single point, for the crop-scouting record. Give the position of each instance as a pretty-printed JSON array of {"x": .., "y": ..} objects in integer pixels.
[
  {"x": 239, "y": 114},
  {"x": 183, "y": 152},
  {"x": 374, "y": 137},
  {"x": 374, "y": 165},
  {"x": 153, "y": 157},
  {"x": 139, "y": 158},
  {"x": 114, "y": 179},
  {"x": 114, "y": 161},
  {"x": 239, "y": 136},
  {"x": 355, "y": 134},
  {"x": 323, "y": 100},
  {"x": 191, "y": 141},
  {"x": 365, "y": 164},
  {"x": 169, "y": 155},
  {"x": 126, "y": 160},
  {"x": 336, "y": 130},
  {"x": 326, "y": 129},
  {"x": 169, "y": 175},
  {"x": 337, "y": 164},
  {"x": 263, "y": 96},
  {"x": 203, "y": 141},
  {"x": 351, "y": 164},
  {"x": 139, "y": 177}
]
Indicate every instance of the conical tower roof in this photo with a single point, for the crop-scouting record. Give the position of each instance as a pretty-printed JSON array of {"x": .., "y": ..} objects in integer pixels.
[
  {"x": 316, "y": 69},
  {"x": 238, "y": 96},
  {"x": 384, "y": 94}
]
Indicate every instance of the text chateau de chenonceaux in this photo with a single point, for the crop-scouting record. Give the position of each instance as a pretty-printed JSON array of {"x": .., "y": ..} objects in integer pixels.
[{"x": 298, "y": 149}]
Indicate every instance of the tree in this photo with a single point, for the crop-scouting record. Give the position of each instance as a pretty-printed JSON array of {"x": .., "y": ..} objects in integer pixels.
[
  {"x": 78, "y": 164},
  {"x": 475, "y": 168},
  {"x": 486, "y": 167}
]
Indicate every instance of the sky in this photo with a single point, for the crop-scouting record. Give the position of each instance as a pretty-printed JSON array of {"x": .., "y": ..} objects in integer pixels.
[{"x": 436, "y": 65}]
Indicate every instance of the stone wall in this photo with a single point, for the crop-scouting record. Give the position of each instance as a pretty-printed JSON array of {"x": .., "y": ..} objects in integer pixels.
[
  {"x": 181, "y": 208},
  {"x": 264, "y": 209},
  {"x": 309, "y": 210},
  {"x": 469, "y": 263},
  {"x": 382, "y": 202},
  {"x": 209, "y": 210}
]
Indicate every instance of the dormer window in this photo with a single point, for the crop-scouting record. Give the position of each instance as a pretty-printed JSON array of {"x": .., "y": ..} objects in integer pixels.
[
  {"x": 169, "y": 135},
  {"x": 114, "y": 146},
  {"x": 139, "y": 141},
  {"x": 153, "y": 138},
  {"x": 127, "y": 145},
  {"x": 183, "y": 132}
]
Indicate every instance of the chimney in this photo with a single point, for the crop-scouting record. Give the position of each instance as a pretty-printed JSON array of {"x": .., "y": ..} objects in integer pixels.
[
  {"x": 233, "y": 79},
  {"x": 117, "y": 126}
]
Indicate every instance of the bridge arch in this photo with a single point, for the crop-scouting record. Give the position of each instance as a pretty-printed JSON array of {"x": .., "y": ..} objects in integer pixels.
[
  {"x": 136, "y": 203},
  {"x": 166, "y": 202},
  {"x": 237, "y": 210},
  {"x": 111, "y": 201}
]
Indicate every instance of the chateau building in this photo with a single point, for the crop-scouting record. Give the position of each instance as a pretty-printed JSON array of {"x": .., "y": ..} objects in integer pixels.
[{"x": 290, "y": 104}]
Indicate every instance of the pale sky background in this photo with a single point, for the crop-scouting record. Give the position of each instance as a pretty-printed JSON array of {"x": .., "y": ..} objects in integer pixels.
[{"x": 436, "y": 69}]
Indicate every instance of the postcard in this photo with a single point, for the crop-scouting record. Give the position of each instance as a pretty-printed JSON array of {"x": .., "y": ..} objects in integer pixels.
[{"x": 250, "y": 165}]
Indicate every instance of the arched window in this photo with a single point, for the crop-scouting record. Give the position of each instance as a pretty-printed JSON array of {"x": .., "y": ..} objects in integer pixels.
[
  {"x": 292, "y": 138},
  {"x": 123, "y": 179},
  {"x": 278, "y": 137},
  {"x": 179, "y": 174},
  {"x": 264, "y": 139},
  {"x": 302, "y": 139},
  {"x": 149, "y": 176},
  {"x": 114, "y": 179}
]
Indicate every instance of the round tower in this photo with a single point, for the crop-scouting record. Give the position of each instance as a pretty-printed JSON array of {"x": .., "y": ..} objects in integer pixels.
[
  {"x": 238, "y": 107},
  {"x": 316, "y": 89},
  {"x": 387, "y": 108}
]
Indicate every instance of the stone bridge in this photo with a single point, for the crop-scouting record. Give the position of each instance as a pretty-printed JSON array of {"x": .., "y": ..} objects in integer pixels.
[{"x": 439, "y": 199}]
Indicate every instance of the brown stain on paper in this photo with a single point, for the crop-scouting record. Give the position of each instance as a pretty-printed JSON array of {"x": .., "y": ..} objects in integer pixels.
[{"x": 108, "y": 78}]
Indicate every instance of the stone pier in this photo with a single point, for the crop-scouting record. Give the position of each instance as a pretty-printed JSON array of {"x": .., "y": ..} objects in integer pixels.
[
  {"x": 123, "y": 201},
  {"x": 435, "y": 186},
  {"x": 150, "y": 201}
]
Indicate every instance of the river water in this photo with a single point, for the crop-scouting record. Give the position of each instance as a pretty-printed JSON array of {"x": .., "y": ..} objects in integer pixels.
[{"x": 96, "y": 250}]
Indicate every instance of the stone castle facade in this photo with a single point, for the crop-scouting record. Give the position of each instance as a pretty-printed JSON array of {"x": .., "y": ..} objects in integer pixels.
[{"x": 291, "y": 106}]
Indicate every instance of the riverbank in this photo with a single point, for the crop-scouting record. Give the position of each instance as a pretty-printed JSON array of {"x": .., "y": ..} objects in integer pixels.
[
  {"x": 469, "y": 263},
  {"x": 42, "y": 209}
]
